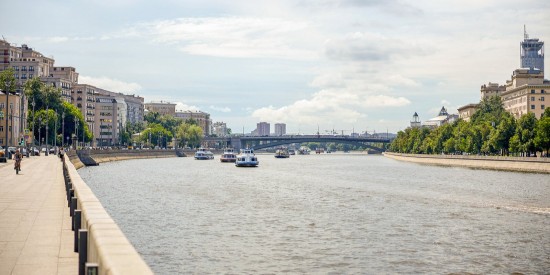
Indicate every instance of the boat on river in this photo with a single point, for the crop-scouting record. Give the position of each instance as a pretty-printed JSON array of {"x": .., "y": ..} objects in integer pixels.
[
  {"x": 282, "y": 153},
  {"x": 228, "y": 155},
  {"x": 203, "y": 154},
  {"x": 247, "y": 158}
]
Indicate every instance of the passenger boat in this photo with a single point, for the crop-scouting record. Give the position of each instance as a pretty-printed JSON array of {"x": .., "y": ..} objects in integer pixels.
[
  {"x": 282, "y": 153},
  {"x": 303, "y": 150},
  {"x": 228, "y": 155},
  {"x": 291, "y": 152},
  {"x": 203, "y": 154},
  {"x": 246, "y": 159}
]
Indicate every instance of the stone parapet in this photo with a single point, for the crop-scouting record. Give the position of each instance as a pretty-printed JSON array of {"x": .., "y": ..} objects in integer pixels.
[
  {"x": 516, "y": 164},
  {"x": 107, "y": 246}
]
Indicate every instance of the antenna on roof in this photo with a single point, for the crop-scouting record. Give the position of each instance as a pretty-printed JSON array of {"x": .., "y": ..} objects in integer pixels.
[{"x": 525, "y": 35}]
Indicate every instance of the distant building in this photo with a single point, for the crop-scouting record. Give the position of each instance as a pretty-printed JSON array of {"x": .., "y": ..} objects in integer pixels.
[
  {"x": 106, "y": 113},
  {"x": 162, "y": 107},
  {"x": 442, "y": 118},
  {"x": 491, "y": 89},
  {"x": 467, "y": 111},
  {"x": 526, "y": 92},
  {"x": 83, "y": 97},
  {"x": 531, "y": 52},
  {"x": 415, "y": 122},
  {"x": 280, "y": 129},
  {"x": 263, "y": 129},
  {"x": 220, "y": 129},
  {"x": 202, "y": 119}
]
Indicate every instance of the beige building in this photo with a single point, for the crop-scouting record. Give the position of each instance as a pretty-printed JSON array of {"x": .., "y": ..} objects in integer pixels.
[
  {"x": 163, "y": 108},
  {"x": 64, "y": 78},
  {"x": 12, "y": 132},
  {"x": 467, "y": 111},
  {"x": 202, "y": 119},
  {"x": 526, "y": 92},
  {"x": 83, "y": 97},
  {"x": 491, "y": 89}
]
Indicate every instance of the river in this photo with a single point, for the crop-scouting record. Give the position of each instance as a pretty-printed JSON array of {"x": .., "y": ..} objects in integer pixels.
[{"x": 329, "y": 213}]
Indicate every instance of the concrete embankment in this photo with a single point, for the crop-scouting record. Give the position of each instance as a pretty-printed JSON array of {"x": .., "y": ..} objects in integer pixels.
[
  {"x": 93, "y": 157},
  {"x": 101, "y": 244},
  {"x": 516, "y": 164}
]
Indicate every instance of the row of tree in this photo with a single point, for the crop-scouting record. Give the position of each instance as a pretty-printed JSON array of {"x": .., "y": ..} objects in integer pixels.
[{"x": 491, "y": 131}]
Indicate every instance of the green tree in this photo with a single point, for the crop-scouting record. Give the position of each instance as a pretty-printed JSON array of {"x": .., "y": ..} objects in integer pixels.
[
  {"x": 542, "y": 132},
  {"x": 523, "y": 139},
  {"x": 189, "y": 135}
]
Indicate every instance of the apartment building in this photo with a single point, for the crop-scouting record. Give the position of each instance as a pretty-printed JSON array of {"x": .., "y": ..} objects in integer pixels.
[
  {"x": 220, "y": 129},
  {"x": 526, "y": 92},
  {"x": 202, "y": 119},
  {"x": 64, "y": 78},
  {"x": 161, "y": 107},
  {"x": 263, "y": 129},
  {"x": 280, "y": 129},
  {"x": 11, "y": 114},
  {"x": 106, "y": 114}
]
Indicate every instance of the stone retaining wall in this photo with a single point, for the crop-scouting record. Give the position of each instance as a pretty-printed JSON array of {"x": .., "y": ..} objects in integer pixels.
[
  {"x": 533, "y": 164},
  {"x": 107, "y": 247},
  {"x": 100, "y": 156}
]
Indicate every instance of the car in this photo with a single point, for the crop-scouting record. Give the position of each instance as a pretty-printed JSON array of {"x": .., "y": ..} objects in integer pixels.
[
  {"x": 35, "y": 151},
  {"x": 43, "y": 150},
  {"x": 52, "y": 150}
]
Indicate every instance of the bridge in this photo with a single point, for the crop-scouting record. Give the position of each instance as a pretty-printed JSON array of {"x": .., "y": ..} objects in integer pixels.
[{"x": 262, "y": 142}]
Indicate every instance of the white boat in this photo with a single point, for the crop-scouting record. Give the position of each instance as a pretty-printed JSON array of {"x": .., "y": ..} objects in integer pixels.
[
  {"x": 203, "y": 154},
  {"x": 228, "y": 155},
  {"x": 282, "y": 153},
  {"x": 247, "y": 158}
]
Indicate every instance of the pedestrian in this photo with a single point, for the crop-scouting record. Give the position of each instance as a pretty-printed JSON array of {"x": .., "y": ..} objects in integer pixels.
[{"x": 17, "y": 157}]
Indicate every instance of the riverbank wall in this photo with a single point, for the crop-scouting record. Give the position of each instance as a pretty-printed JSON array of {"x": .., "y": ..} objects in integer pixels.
[
  {"x": 83, "y": 158},
  {"x": 102, "y": 247},
  {"x": 515, "y": 164}
]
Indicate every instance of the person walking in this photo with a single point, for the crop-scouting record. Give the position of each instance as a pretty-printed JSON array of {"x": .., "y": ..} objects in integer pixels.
[{"x": 17, "y": 157}]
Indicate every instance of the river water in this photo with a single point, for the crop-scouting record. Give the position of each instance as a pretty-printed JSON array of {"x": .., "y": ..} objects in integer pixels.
[{"x": 330, "y": 213}]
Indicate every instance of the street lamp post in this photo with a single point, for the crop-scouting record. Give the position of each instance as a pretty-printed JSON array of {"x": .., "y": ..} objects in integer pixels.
[
  {"x": 63, "y": 129},
  {"x": 75, "y": 131},
  {"x": 55, "y": 131},
  {"x": 33, "y": 133},
  {"x": 47, "y": 126},
  {"x": 7, "y": 128},
  {"x": 39, "y": 139}
]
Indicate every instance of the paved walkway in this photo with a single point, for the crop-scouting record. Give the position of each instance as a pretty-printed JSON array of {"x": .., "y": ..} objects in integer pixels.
[{"x": 35, "y": 226}]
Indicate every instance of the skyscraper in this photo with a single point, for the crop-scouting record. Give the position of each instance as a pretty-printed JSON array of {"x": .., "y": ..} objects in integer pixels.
[
  {"x": 280, "y": 129},
  {"x": 531, "y": 52},
  {"x": 263, "y": 128}
]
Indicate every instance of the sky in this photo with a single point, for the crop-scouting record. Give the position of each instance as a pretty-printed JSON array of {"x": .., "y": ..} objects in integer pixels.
[{"x": 342, "y": 65}]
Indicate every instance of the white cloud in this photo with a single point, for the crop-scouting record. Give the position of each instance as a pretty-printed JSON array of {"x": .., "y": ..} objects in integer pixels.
[
  {"x": 180, "y": 106},
  {"x": 220, "y": 109},
  {"x": 236, "y": 37},
  {"x": 329, "y": 106},
  {"x": 113, "y": 85}
]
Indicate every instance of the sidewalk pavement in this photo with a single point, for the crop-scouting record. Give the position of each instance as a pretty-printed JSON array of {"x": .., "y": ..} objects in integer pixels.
[{"x": 35, "y": 226}]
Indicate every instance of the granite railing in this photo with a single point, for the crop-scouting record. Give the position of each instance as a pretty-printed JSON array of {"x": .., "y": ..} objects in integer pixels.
[
  {"x": 102, "y": 247},
  {"x": 521, "y": 164}
]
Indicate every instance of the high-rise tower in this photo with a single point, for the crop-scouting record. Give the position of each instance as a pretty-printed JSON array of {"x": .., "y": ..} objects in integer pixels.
[{"x": 531, "y": 52}]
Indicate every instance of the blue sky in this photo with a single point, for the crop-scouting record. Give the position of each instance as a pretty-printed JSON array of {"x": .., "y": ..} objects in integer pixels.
[{"x": 333, "y": 64}]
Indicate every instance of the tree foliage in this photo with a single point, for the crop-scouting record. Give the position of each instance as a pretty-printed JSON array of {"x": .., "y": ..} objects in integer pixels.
[{"x": 491, "y": 131}]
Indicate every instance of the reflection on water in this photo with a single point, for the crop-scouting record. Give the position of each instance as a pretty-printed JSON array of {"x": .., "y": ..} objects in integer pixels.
[{"x": 341, "y": 213}]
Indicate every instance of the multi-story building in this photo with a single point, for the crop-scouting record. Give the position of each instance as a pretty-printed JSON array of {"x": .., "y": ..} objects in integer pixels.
[
  {"x": 280, "y": 129},
  {"x": 11, "y": 115},
  {"x": 526, "y": 92},
  {"x": 64, "y": 78},
  {"x": 491, "y": 89},
  {"x": 263, "y": 128},
  {"x": 220, "y": 129},
  {"x": 83, "y": 96},
  {"x": 531, "y": 52},
  {"x": 106, "y": 113},
  {"x": 467, "y": 111},
  {"x": 133, "y": 109},
  {"x": 163, "y": 108},
  {"x": 202, "y": 119}
]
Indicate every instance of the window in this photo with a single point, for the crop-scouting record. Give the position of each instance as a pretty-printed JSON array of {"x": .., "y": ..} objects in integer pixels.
[
  {"x": 1, "y": 128},
  {"x": 532, "y": 91},
  {"x": 31, "y": 75},
  {"x": 16, "y": 76},
  {"x": 23, "y": 68},
  {"x": 31, "y": 68},
  {"x": 532, "y": 107},
  {"x": 532, "y": 98},
  {"x": 542, "y": 98},
  {"x": 2, "y": 105},
  {"x": 23, "y": 76},
  {"x": 16, "y": 68},
  {"x": 542, "y": 107}
]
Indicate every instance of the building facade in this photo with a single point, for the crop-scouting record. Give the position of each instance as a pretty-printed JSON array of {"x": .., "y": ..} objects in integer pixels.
[
  {"x": 467, "y": 111},
  {"x": 202, "y": 119},
  {"x": 162, "y": 107},
  {"x": 526, "y": 92},
  {"x": 531, "y": 52},
  {"x": 280, "y": 129},
  {"x": 106, "y": 113},
  {"x": 263, "y": 129},
  {"x": 220, "y": 129},
  {"x": 11, "y": 113}
]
